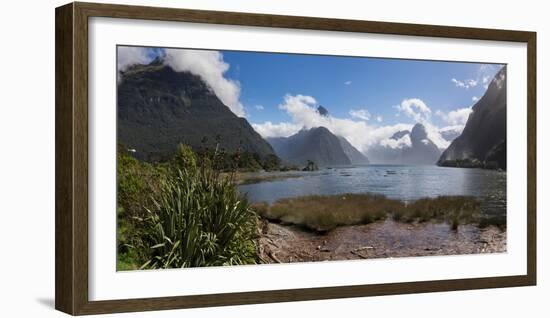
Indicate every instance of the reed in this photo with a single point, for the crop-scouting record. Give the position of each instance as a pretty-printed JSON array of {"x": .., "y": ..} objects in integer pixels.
[{"x": 324, "y": 213}]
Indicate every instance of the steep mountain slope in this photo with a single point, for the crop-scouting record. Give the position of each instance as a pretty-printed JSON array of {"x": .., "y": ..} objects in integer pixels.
[
  {"x": 159, "y": 108},
  {"x": 319, "y": 145},
  {"x": 422, "y": 150},
  {"x": 483, "y": 140},
  {"x": 354, "y": 155},
  {"x": 407, "y": 147}
]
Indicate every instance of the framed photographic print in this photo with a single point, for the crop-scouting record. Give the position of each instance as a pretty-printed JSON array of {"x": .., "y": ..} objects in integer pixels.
[{"x": 218, "y": 158}]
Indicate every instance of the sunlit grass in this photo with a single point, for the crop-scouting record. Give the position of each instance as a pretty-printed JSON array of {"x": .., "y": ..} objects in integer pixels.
[{"x": 323, "y": 213}]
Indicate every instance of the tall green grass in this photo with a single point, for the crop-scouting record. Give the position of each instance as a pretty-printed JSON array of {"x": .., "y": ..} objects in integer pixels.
[
  {"x": 182, "y": 213},
  {"x": 200, "y": 220}
]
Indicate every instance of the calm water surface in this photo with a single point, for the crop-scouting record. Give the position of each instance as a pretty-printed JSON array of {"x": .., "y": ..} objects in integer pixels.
[{"x": 397, "y": 182}]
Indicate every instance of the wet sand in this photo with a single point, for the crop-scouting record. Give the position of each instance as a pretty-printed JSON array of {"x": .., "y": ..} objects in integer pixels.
[{"x": 280, "y": 243}]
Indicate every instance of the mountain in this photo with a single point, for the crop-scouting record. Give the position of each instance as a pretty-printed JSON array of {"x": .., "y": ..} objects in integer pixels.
[
  {"x": 422, "y": 150},
  {"x": 355, "y": 156},
  {"x": 483, "y": 140},
  {"x": 319, "y": 145},
  {"x": 407, "y": 147},
  {"x": 450, "y": 133},
  {"x": 158, "y": 108},
  {"x": 322, "y": 111},
  {"x": 400, "y": 134}
]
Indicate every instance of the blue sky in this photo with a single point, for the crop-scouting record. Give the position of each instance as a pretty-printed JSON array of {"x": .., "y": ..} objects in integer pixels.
[
  {"x": 342, "y": 84},
  {"x": 368, "y": 99}
]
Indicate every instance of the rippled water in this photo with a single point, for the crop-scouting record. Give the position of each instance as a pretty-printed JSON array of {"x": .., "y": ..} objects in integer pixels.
[{"x": 397, "y": 182}]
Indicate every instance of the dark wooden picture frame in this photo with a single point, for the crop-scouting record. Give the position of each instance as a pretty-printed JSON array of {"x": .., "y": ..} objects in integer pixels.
[{"x": 71, "y": 220}]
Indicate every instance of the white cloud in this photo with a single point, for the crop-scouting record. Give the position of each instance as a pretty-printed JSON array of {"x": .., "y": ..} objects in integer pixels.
[
  {"x": 268, "y": 129},
  {"x": 400, "y": 143},
  {"x": 499, "y": 80},
  {"x": 131, "y": 55},
  {"x": 379, "y": 119},
  {"x": 303, "y": 113},
  {"x": 259, "y": 107},
  {"x": 347, "y": 83},
  {"x": 451, "y": 132},
  {"x": 416, "y": 109},
  {"x": 484, "y": 75},
  {"x": 475, "y": 98},
  {"x": 435, "y": 136},
  {"x": 456, "y": 117},
  {"x": 465, "y": 83},
  {"x": 362, "y": 114},
  {"x": 210, "y": 67}
]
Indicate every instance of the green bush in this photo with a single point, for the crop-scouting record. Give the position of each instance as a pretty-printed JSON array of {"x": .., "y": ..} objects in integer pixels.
[
  {"x": 137, "y": 184},
  {"x": 199, "y": 220}
]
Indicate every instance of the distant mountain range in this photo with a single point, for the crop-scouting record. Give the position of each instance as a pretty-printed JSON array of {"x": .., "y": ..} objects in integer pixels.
[
  {"x": 407, "y": 147},
  {"x": 318, "y": 145},
  {"x": 483, "y": 140},
  {"x": 158, "y": 108}
]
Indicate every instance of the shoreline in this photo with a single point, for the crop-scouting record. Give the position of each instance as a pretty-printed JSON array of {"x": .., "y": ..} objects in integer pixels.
[{"x": 285, "y": 243}]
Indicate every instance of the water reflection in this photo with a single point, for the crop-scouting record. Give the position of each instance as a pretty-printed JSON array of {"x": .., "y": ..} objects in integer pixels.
[{"x": 396, "y": 182}]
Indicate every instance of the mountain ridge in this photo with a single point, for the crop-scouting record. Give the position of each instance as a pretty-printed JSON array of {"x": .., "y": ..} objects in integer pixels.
[
  {"x": 319, "y": 145},
  {"x": 483, "y": 140},
  {"x": 411, "y": 147},
  {"x": 158, "y": 108}
]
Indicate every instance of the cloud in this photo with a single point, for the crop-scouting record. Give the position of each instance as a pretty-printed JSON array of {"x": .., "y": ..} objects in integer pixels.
[
  {"x": 268, "y": 129},
  {"x": 259, "y": 107},
  {"x": 379, "y": 119},
  {"x": 131, "y": 55},
  {"x": 210, "y": 67},
  {"x": 303, "y": 113},
  {"x": 451, "y": 132},
  {"x": 400, "y": 143},
  {"x": 475, "y": 98},
  {"x": 362, "y": 114},
  {"x": 455, "y": 117},
  {"x": 499, "y": 80},
  {"x": 484, "y": 75},
  {"x": 347, "y": 83},
  {"x": 465, "y": 83},
  {"x": 416, "y": 109},
  {"x": 486, "y": 81}
]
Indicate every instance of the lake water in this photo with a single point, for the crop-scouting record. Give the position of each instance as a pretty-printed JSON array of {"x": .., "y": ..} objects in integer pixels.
[{"x": 394, "y": 181}]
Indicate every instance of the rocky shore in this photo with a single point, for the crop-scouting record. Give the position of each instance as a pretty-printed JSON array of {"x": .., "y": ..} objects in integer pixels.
[{"x": 279, "y": 243}]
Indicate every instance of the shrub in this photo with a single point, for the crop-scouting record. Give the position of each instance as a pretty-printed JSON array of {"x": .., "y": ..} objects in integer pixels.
[
  {"x": 199, "y": 220},
  {"x": 137, "y": 184}
]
